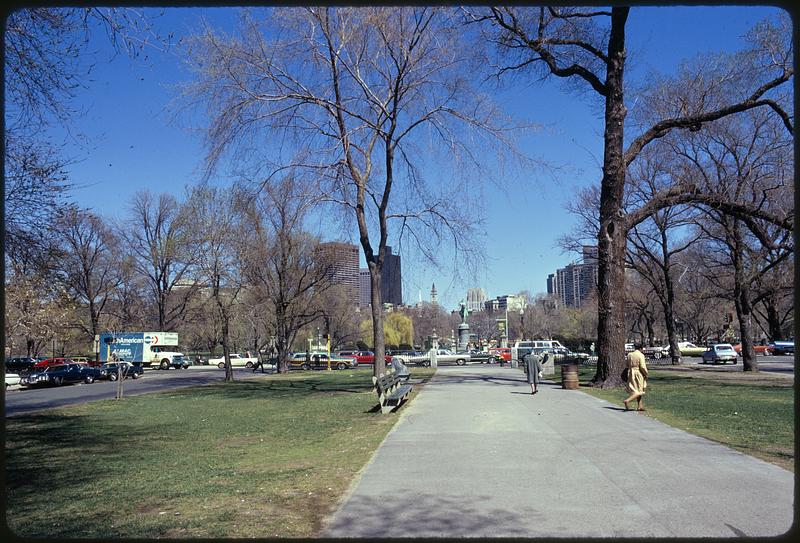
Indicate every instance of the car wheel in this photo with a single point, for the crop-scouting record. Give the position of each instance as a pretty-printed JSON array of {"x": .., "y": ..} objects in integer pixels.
[
  {"x": 341, "y": 366},
  {"x": 88, "y": 379},
  {"x": 657, "y": 355},
  {"x": 248, "y": 365},
  {"x": 492, "y": 360},
  {"x": 305, "y": 366},
  {"x": 112, "y": 376},
  {"x": 58, "y": 381},
  {"x": 134, "y": 376},
  {"x": 164, "y": 364},
  {"x": 221, "y": 365},
  {"x": 767, "y": 353}
]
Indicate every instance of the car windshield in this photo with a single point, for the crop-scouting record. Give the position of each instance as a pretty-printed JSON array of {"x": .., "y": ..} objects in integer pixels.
[
  {"x": 724, "y": 348},
  {"x": 56, "y": 368}
]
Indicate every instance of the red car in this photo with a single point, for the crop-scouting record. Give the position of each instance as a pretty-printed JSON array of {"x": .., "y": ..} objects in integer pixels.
[
  {"x": 763, "y": 350},
  {"x": 362, "y": 357},
  {"x": 42, "y": 365},
  {"x": 501, "y": 352}
]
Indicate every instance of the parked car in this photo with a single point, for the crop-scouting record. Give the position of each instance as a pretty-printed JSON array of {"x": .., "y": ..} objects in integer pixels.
[
  {"x": 62, "y": 374},
  {"x": 782, "y": 347},
  {"x": 45, "y": 363},
  {"x": 12, "y": 379},
  {"x": 763, "y": 350},
  {"x": 656, "y": 352},
  {"x": 501, "y": 352},
  {"x": 237, "y": 360},
  {"x": 111, "y": 370},
  {"x": 85, "y": 360},
  {"x": 719, "y": 352},
  {"x": 690, "y": 349},
  {"x": 362, "y": 357},
  {"x": 630, "y": 347},
  {"x": 563, "y": 352},
  {"x": 307, "y": 361},
  {"x": 443, "y": 356},
  {"x": 484, "y": 357},
  {"x": 19, "y": 364}
]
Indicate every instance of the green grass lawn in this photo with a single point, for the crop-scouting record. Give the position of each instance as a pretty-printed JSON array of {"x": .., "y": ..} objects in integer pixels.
[
  {"x": 263, "y": 458},
  {"x": 753, "y": 413}
]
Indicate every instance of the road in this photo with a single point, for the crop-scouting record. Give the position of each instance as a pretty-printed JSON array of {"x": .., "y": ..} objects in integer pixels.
[{"x": 23, "y": 400}]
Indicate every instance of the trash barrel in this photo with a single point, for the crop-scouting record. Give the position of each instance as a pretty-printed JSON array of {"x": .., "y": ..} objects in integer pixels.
[{"x": 569, "y": 376}]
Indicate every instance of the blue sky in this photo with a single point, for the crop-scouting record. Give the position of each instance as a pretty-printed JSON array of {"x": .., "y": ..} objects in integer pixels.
[{"x": 131, "y": 142}]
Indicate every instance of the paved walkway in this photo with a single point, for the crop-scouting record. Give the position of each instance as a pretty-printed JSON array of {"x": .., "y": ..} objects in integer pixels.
[{"x": 475, "y": 455}]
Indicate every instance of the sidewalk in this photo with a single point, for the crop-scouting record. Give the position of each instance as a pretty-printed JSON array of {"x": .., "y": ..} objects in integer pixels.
[{"x": 476, "y": 455}]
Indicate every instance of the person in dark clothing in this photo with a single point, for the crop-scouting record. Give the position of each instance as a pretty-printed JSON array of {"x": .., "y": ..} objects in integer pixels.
[{"x": 533, "y": 367}]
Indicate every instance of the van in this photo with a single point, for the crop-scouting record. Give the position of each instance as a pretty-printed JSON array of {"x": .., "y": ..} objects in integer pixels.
[{"x": 521, "y": 348}]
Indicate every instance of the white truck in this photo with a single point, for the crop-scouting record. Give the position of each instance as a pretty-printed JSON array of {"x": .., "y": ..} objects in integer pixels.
[{"x": 159, "y": 349}]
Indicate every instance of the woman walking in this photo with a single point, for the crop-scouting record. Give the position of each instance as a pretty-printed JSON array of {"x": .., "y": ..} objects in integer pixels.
[
  {"x": 533, "y": 367},
  {"x": 637, "y": 378}
]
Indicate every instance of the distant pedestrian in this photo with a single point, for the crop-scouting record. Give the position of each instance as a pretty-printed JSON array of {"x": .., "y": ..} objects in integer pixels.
[
  {"x": 637, "y": 377},
  {"x": 533, "y": 368}
]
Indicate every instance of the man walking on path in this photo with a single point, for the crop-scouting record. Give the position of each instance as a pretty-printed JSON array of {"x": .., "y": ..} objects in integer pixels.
[{"x": 459, "y": 463}]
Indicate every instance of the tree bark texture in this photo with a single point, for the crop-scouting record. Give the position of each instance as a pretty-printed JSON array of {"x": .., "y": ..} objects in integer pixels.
[{"x": 612, "y": 236}]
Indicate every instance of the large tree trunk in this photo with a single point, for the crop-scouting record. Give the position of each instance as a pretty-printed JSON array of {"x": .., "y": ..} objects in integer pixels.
[
  {"x": 774, "y": 325},
  {"x": 741, "y": 295},
  {"x": 613, "y": 230},
  {"x": 378, "y": 339}
]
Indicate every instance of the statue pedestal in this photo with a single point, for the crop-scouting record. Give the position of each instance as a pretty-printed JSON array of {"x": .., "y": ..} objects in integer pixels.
[{"x": 463, "y": 336}]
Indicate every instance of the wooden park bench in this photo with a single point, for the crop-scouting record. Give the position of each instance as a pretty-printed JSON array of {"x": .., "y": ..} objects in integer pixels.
[{"x": 391, "y": 390}]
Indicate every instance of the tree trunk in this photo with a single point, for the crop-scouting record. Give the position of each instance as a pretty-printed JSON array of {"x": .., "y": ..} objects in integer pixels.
[
  {"x": 226, "y": 350},
  {"x": 741, "y": 295},
  {"x": 378, "y": 339},
  {"x": 775, "y": 330},
  {"x": 613, "y": 231}
]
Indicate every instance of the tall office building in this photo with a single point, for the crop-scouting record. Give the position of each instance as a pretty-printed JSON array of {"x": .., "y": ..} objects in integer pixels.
[
  {"x": 364, "y": 288},
  {"x": 552, "y": 284},
  {"x": 575, "y": 282},
  {"x": 342, "y": 258},
  {"x": 476, "y": 297},
  {"x": 391, "y": 279}
]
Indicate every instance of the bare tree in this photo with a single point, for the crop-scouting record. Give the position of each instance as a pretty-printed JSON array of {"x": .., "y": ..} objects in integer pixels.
[
  {"x": 88, "y": 267},
  {"x": 217, "y": 233},
  {"x": 281, "y": 263},
  {"x": 429, "y": 317},
  {"x": 587, "y": 47},
  {"x": 45, "y": 67},
  {"x": 158, "y": 236},
  {"x": 655, "y": 243},
  {"x": 385, "y": 83}
]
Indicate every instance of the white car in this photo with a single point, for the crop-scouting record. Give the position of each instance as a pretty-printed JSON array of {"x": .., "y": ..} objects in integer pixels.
[
  {"x": 237, "y": 360},
  {"x": 12, "y": 379}
]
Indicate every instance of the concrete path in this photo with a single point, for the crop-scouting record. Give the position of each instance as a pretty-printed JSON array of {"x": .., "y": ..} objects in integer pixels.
[{"x": 475, "y": 455}]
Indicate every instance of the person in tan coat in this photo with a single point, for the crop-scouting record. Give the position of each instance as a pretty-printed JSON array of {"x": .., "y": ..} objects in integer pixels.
[{"x": 637, "y": 378}]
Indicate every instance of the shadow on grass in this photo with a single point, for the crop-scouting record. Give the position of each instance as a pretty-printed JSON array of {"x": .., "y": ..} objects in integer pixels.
[{"x": 49, "y": 452}]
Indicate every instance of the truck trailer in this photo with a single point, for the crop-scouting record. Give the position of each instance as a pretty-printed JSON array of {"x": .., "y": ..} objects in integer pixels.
[{"x": 157, "y": 349}]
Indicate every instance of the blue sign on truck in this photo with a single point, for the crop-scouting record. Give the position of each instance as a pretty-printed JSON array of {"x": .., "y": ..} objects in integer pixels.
[{"x": 145, "y": 348}]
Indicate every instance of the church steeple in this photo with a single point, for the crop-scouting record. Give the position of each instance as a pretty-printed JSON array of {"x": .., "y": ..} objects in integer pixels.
[{"x": 433, "y": 294}]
